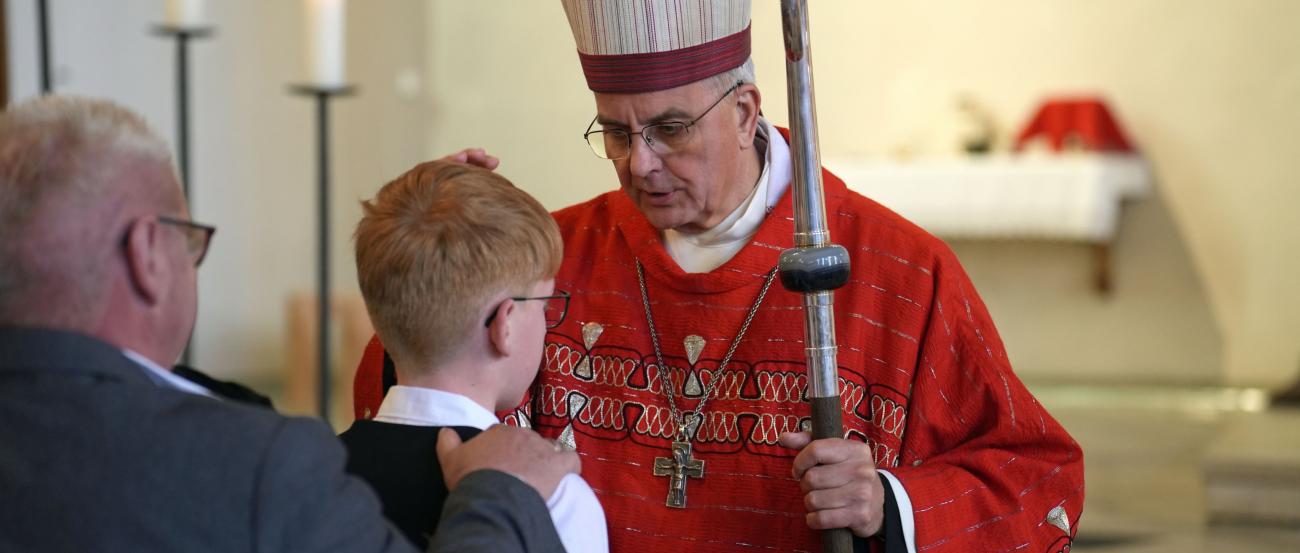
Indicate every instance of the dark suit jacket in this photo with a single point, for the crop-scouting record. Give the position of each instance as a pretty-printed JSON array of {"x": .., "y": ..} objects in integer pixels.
[
  {"x": 400, "y": 462},
  {"x": 223, "y": 389},
  {"x": 94, "y": 456}
]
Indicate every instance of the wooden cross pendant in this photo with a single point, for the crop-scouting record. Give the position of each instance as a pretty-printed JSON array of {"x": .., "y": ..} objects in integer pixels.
[{"x": 678, "y": 468}]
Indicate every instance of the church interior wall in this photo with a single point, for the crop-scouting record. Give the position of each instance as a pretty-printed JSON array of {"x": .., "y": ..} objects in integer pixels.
[
  {"x": 253, "y": 143},
  {"x": 1203, "y": 88},
  {"x": 1203, "y": 279},
  {"x": 1204, "y": 268}
]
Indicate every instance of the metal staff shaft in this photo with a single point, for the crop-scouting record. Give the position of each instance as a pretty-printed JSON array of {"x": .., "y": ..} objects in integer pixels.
[{"x": 814, "y": 267}]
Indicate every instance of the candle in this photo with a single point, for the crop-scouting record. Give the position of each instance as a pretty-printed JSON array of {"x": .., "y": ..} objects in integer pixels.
[
  {"x": 184, "y": 13},
  {"x": 324, "y": 49}
]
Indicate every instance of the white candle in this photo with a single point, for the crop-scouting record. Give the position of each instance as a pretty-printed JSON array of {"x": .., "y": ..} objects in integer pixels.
[
  {"x": 184, "y": 13},
  {"x": 324, "y": 33}
]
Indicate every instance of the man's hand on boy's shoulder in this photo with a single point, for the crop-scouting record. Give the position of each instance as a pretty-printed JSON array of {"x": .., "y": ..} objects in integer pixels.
[
  {"x": 515, "y": 451},
  {"x": 475, "y": 156}
]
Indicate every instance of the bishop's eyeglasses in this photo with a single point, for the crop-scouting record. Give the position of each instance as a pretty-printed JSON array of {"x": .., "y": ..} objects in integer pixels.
[
  {"x": 557, "y": 306},
  {"x": 663, "y": 138}
]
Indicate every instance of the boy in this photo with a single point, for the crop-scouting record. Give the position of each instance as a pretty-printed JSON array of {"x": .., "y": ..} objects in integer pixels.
[{"x": 457, "y": 269}]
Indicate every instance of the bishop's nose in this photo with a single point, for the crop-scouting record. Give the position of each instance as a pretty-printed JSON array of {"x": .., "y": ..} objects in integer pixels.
[{"x": 642, "y": 159}]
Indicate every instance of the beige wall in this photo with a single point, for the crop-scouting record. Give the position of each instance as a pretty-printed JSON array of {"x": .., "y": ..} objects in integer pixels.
[
  {"x": 253, "y": 143},
  {"x": 1205, "y": 269},
  {"x": 1206, "y": 88}
]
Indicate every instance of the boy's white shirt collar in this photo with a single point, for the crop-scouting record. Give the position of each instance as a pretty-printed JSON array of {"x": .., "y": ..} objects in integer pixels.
[{"x": 416, "y": 406}]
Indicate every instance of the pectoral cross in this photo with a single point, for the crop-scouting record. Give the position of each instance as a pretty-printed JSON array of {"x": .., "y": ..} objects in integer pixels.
[{"x": 678, "y": 468}]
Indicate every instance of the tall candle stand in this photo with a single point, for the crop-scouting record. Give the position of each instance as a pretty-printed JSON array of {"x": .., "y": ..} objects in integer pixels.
[
  {"x": 183, "y": 35},
  {"x": 323, "y": 95},
  {"x": 43, "y": 44}
]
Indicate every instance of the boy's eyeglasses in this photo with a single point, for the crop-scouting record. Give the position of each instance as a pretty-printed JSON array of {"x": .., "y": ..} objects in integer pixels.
[{"x": 557, "y": 305}]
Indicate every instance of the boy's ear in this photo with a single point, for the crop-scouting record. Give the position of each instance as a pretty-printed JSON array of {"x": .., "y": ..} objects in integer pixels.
[{"x": 499, "y": 330}]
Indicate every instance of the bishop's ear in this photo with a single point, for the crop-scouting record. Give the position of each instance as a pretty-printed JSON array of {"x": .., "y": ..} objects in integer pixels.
[
  {"x": 749, "y": 103},
  {"x": 146, "y": 260},
  {"x": 499, "y": 327}
]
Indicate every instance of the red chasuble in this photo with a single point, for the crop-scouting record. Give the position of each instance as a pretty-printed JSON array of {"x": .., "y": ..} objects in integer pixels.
[{"x": 924, "y": 377}]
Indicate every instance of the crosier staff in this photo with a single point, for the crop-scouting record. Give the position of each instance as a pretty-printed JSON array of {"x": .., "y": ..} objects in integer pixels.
[{"x": 814, "y": 267}]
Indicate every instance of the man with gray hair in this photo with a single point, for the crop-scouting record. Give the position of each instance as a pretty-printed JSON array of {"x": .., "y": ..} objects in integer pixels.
[{"x": 103, "y": 448}]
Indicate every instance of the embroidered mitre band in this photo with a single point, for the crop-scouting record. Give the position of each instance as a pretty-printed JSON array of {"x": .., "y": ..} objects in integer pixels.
[{"x": 632, "y": 46}]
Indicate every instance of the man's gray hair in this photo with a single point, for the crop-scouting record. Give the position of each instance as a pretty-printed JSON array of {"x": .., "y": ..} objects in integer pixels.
[
  {"x": 64, "y": 173},
  {"x": 744, "y": 73}
]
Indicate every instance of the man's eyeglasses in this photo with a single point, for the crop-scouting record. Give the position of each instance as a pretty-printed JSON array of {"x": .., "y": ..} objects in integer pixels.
[
  {"x": 557, "y": 305},
  {"x": 197, "y": 236},
  {"x": 663, "y": 138}
]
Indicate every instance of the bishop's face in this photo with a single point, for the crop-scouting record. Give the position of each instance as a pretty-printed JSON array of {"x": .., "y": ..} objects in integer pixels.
[{"x": 693, "y": 187}]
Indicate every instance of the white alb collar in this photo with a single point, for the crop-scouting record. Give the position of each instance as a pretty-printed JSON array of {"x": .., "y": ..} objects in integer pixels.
[{"x": 708, "y": 250}]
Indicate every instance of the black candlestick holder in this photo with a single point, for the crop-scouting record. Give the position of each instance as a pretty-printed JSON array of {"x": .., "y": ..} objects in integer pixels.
[
  {"x": 182, "y": 35},
  {"x": 43, "y": 45},
  {"x": 323, "y": 95}
]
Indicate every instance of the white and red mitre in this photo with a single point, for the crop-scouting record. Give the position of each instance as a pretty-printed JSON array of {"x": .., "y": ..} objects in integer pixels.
[{"x": 631, "y": 46}]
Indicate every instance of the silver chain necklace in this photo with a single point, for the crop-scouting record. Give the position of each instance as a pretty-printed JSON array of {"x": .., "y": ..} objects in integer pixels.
[{"x": 679, "y": 418}]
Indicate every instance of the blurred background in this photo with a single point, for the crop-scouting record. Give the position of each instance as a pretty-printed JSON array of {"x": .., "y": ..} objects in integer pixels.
[{"x": 1142, "y": 269}]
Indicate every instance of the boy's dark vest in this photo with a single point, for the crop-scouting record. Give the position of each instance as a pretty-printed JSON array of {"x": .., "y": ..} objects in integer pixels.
[{"x": 401, "y": 463}]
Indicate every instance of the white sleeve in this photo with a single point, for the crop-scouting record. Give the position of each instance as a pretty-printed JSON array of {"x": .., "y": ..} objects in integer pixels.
[
  {"x": 904, "y": 511},
  {"x": 578, "y": 516}
]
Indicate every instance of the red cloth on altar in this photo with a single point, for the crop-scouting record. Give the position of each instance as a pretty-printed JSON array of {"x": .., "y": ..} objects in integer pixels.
[
  {"x": 925, "y": 380},
  {"x": 1087, "y": 120}
]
